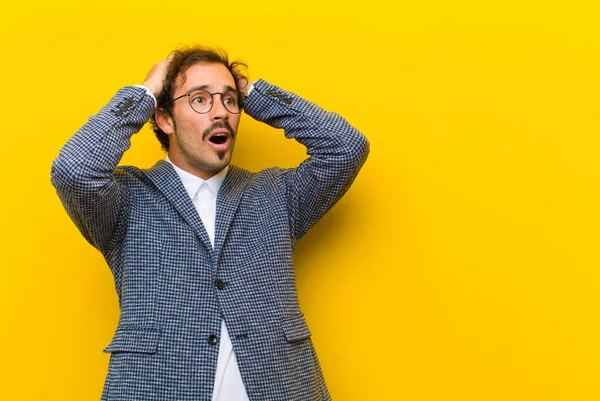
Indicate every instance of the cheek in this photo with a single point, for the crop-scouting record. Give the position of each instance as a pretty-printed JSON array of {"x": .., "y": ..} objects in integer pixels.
[
  {"x": 234, "y": 121},
  {"x": 192, "y": 125}
]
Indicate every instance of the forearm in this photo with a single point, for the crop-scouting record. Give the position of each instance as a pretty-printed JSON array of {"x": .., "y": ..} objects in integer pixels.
[
  {"x": 84, "y": 173},
  {"x": 337, "y": 152},
  {"x": 326, "y": 135},
  {"x": 91, "y": 155}
]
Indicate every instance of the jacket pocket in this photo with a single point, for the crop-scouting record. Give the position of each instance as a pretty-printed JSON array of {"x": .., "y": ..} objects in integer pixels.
[
  {"x": 295, "y": 328},
  {"x": 142, "y": 339}
]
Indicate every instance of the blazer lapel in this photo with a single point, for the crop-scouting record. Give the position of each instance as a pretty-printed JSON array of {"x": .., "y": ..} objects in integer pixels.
[
  {"x": 228, "y": 199},
  {"x": 167, "y": 181}
]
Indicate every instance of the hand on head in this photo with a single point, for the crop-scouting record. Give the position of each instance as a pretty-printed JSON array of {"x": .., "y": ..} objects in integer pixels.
[
  {"x": 156, "y": 76},
  {"x": 244, "y": 86}
]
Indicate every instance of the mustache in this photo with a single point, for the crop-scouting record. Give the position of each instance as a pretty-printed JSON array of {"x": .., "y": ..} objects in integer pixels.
[{"x": 214, "y": 126}]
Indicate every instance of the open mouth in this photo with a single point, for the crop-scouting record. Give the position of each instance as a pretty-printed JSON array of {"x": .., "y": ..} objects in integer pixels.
[{"x": 218, "y": 139}]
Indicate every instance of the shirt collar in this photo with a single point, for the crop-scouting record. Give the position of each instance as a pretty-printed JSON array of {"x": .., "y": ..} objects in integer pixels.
[{"x": 193, "y": 183}]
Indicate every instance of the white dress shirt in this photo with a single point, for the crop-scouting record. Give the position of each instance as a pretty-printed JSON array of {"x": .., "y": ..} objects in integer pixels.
[{"x": 228, "y": 381}]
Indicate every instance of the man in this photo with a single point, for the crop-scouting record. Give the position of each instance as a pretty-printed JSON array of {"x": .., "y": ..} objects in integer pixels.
[{"x": 201, "y": 250}]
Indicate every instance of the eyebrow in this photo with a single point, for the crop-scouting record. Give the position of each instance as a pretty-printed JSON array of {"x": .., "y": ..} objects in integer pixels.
[{"x": 205, "y": 87}]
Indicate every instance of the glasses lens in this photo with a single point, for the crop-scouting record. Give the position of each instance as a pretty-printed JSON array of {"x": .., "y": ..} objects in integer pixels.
[
  {"x": 231, "y": 101},
  {"x": 201, "y": 101}
]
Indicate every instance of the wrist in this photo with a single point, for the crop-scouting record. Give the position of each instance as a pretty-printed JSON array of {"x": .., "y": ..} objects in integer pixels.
[
  {"x": 154, "y": 89},
  {"x": 148, "y": 92},
  {"x": 246, "y": 89}
]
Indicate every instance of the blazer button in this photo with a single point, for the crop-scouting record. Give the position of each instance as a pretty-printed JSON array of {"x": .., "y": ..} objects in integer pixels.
[
  {"x": 220, "y": 284},
  {"x": 212, "y": 339}
]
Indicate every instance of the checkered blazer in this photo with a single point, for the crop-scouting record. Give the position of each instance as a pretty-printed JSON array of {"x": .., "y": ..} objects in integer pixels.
[{"x": 173, "y": 288}]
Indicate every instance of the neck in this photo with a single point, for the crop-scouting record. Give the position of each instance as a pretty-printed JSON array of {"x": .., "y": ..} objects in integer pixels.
[{"x": 189, "y": 168}]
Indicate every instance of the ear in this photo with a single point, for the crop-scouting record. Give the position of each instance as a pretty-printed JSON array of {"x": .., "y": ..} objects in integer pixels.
[{"x": 164, "y": 121}]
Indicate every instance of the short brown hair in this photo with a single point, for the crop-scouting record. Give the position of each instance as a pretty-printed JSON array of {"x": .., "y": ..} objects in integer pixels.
[{"x": 183, "y": 59}]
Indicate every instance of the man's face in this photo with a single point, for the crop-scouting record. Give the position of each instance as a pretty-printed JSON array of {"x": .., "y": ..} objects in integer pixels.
[{"x": 202, "y": 144}]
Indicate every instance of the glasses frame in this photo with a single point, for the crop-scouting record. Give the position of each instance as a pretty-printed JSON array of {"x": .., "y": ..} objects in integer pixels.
[{"x": 241, "y": 100}]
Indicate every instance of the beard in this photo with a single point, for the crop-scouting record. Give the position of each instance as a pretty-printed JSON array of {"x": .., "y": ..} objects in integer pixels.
[
  {"x": 218, "y": 124},
  {"x": 204, "y": 158},
  {"x": 198, "y": 154}
]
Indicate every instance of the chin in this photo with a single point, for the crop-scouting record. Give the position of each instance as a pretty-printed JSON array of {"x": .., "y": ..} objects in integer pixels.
[
  {"x": 221, "y": 164},
  {"x": 224, "y": 157}
]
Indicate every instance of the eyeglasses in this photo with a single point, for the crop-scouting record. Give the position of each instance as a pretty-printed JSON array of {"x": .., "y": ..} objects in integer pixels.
[{"x": 201, "y": 101}]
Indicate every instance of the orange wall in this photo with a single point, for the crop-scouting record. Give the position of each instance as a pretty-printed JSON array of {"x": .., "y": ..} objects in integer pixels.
[{"x": 461, "y": 266}]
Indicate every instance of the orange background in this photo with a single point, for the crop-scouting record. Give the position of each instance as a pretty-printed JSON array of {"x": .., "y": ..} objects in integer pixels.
[{"x": 463, "y": 263}]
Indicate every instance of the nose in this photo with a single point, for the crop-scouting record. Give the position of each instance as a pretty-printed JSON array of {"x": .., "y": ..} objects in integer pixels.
[{"x": 218, "y": 111}]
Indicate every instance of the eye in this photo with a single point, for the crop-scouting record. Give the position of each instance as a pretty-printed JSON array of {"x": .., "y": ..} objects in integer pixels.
[
  {"x": 200, "y": 97},
  {"x": 230, "y": 99}
]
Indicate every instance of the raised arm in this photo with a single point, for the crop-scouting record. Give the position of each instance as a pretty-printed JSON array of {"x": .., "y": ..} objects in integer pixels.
[
  {"x": 337, "y": 152},
  {"x": 85, "y": 172}
]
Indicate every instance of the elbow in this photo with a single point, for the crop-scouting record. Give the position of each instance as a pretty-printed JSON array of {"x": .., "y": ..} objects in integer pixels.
[
  {"x": 59, "y": 171},
  {"x": 65, "y": 174},
  {"x": 358, "y": 149},
  {"x": 365, "y": 149}
]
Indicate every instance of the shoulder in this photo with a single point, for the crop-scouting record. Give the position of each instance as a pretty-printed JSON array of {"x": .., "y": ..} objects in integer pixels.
[
  {"x": 237, "y": 177},
  {"x": 128, "y": 173},
  {"x": 267, "y": 177},
  {"x": 133, "y": 178}
]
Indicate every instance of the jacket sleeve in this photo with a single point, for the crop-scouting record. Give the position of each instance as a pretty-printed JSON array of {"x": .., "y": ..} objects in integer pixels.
[
  {"x": 85, "y": 172},
  {"x": 336, "y": 152}
]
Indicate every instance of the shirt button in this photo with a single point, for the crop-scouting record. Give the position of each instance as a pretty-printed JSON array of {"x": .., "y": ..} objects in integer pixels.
[
  {"x": 220, "y": 284},
  {"x": 212, "y": 339}
]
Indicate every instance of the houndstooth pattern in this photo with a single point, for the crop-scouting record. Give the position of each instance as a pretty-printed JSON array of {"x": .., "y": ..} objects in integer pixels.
[{"x": 145, "y": 225}]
